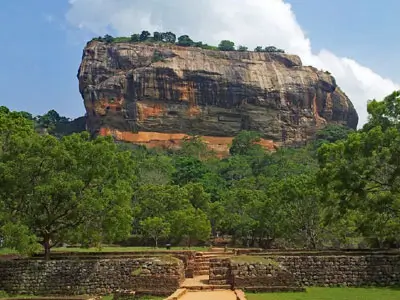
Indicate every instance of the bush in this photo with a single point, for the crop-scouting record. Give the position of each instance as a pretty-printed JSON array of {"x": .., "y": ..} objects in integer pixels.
[{"x": 226, "y": 45}]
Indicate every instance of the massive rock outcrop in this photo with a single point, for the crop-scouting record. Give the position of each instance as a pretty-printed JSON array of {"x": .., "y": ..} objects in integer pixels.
[{"x": 156, "y": 94}]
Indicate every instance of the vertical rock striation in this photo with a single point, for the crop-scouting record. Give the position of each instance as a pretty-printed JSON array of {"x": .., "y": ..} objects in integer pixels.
[{"x": 156, "y": 94}]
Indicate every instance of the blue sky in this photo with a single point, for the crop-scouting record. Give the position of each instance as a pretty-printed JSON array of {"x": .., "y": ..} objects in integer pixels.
[{"x": 41, "y": 49}]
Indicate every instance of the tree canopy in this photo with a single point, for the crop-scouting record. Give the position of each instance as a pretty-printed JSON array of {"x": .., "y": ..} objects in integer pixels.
[{"x": 340, "y": 190}]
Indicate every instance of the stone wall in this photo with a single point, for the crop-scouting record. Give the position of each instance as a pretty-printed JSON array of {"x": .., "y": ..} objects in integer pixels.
[
  {"x": 96, "y": 276},
  {"x": 220, "y": 271},
  {"x": 260, "y": 274},
  {"x": 307, "y": 270},
  {"x": 367, "y": 270}
]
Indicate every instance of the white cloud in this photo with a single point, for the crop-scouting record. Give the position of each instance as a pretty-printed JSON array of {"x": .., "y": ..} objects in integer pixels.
[{"x": 247, "y": 22}]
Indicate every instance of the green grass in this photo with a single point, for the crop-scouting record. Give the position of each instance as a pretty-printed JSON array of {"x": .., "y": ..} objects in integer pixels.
[
  {"x": 332, "y": 294},
  {"x": 110, "y": 297},
  {"x": 254, "y": 260},
  {"x": 5, "y": 251},
  {"x": 125, "y": 249}
]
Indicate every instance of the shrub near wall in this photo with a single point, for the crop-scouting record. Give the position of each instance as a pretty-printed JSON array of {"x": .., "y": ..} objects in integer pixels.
[{"x": 159, "y": 276}]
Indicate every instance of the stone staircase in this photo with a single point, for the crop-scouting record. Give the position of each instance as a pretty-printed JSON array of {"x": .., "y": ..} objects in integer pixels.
[{"x": 202, "y": 260}]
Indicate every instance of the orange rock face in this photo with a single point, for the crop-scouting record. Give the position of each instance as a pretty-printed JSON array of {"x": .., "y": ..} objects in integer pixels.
[{"x": 220, "y": 145}]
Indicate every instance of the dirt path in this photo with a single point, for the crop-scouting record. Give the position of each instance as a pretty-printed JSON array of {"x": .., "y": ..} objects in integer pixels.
[{"x": 210, "y": 295}]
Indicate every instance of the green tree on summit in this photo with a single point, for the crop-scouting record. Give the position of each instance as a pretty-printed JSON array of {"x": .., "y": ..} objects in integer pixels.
[
  {"x": 144, "y": 35},
  {"x": 185, "y": 41},
  {"x": 226, "y": 45},
  {"x": 169, "y": 37}
]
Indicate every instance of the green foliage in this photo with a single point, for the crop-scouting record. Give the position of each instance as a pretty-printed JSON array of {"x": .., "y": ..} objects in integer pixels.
[
  {"x": 185, "y": 41},
  {"x": 268, "y": 49},
  {"x": 360, "y": 175},
  {"x": 157, "y": 56},
  {"x": 108, "y": 39},
  {"x": 145, "y": 35},
  {"x": 155, "y": 228},
  {"x": 245, "y": 143},
  {"x": 135, "y": 38},
  {"x": 344, "y": 193},
  {"x": 226, "y": 45},
  {"x": 55, "y": 190},
  {"x": 331, "y": 134},
  {"x": 169, "y": 37},
  {"x": 384, "y": 113}
]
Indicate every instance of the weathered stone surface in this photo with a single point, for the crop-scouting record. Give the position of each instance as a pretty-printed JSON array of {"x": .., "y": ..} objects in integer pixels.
[
  {"x": 309, "y": 270},
  {"x": 368, "y": 270},
  {"x": 97, "y": 276},
  {"x": 155, "y": 94}
]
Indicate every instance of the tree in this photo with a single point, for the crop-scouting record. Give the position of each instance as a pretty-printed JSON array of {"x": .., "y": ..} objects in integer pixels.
[
  {"x": 157, "y": 36},
  {"x": 332, "y": 133},
  {"x": 169, "y": 37},
  {"x": 67, "y": 190},
  {"x": 258, "y": 49},
  {"x": 188, "y": 169},
  {"x": 384, "y": 113},
  {"x": 190, "y": 224},
  {"x": 144, "y": 35},
  {"x": 108, "y": 39},
  {"x": 185, "y": 41},
  {"x": 226, "y": 45},
  {"x": 242, "y": 48},
  {"x": 135, "y": 38},
  {"x": 361, "y": 174},
  {"x": 195, "y": 146},
  {"x": 245, "y": 143},
  {"x": 155, "y": 228},
  {"x": 198, "y": 197}
]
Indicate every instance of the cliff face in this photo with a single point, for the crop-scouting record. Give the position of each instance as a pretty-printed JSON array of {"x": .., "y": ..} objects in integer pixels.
[{"x": 155, "y": 94}]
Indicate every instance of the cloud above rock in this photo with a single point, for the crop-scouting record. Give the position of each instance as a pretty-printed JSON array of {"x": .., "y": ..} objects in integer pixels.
[{"x": 247, "y": 22}]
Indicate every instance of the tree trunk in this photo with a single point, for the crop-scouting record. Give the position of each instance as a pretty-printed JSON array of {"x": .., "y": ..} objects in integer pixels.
[
  {"x": 156, "y": 239},
  {"x": 46, "y": 245}
]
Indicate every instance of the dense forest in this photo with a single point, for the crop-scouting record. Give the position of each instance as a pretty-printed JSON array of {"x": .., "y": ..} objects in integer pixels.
[
  {"x": 339, "y": 190},
  {"x": 183, "y": 41}
]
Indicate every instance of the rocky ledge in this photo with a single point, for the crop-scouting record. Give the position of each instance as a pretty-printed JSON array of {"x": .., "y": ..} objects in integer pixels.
[{"x": 156, "y": 94}]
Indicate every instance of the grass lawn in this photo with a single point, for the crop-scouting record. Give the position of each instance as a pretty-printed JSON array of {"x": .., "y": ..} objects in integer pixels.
[
  {"x": 332, "y": 294},
  {"x": 125, "y": 249},
  {"x": 5, "y": 251}
]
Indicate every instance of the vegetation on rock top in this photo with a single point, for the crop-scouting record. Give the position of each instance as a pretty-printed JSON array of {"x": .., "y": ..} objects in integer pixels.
[{"x": 184, "y": 41}]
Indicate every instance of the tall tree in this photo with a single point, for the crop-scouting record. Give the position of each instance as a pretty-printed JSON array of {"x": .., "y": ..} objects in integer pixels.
[
  {"x": 68, "y": 190},
  {"x": 155, "y": 228},
  {"x": 361, "y": 174}
]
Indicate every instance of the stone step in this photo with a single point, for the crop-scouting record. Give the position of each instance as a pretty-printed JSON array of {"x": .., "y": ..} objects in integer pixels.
[
  {"x": 219, "y": 277},
  {"x": 203, "y": 264},
  {"x": 201, "y": 272},
  {"x": 218, "y": 282},
  {"x": 210, "y": 287},
  {"x": 177, "y": 294}
]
